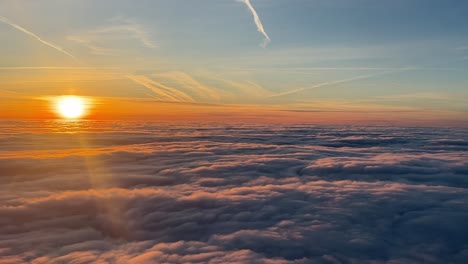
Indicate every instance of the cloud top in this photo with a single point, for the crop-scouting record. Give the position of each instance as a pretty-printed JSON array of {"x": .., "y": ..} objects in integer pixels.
[{"x": 210, "y": 193}]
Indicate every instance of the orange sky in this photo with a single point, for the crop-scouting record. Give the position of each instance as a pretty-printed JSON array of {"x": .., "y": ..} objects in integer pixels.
[
  {"x": 148, "y": 109},
  {"x": 132, "y": 68}
]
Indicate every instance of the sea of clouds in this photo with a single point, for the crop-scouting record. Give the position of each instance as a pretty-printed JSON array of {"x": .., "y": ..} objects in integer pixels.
[{"x": 109, "y": 192}]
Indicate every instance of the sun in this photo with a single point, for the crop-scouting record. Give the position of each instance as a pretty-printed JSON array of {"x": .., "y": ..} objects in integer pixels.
[{"x": 71, "y": 107}]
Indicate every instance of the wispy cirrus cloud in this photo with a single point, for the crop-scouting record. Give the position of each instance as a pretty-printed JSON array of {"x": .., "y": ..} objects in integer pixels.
[
  {"x": 28, "y": 32},
  {"x": 246, "y": 88},
  {"x": 206, "y": 87},
  {"x": 258, "y": 23},
  {"x": 105, "y": 39},
  {"x": 161, "y": 91},
  {"x": 190, "y": 84}
]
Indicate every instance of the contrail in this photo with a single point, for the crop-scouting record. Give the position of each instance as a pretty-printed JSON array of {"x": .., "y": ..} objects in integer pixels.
[
  {"x": 162, "y": 91},
  {"x": 258, "y": 22},
  {"x": 336, "y": 82},
  {"x": 22, "y": 29}
]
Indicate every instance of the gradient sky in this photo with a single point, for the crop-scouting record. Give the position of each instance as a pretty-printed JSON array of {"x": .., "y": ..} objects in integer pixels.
[{"x": 301, "y": 60}]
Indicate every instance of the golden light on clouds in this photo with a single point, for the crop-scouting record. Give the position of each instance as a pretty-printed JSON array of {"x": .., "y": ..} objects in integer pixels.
[{"x": 71, "y": 107}]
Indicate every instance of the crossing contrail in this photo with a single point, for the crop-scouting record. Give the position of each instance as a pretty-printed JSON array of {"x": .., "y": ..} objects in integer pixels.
[
  {"x": 331, "y": 83},
  {"x": 22, "y": 29}
]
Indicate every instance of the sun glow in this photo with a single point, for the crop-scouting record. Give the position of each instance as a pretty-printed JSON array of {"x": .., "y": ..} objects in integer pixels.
[{"x": 71, "y": 107}]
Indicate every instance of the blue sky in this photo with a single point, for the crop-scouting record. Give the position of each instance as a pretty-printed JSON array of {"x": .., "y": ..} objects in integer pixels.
[{"x": 390, "y": 54}]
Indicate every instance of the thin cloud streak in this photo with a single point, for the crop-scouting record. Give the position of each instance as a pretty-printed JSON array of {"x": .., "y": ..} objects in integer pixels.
[
  {"x": 342, "y": 69},
  {"x": 22, "y": 29},
  {"x": 188, "y": 82},
  {"x": 161, "y": 91},
  {"x": 100, "y": 41},
  {"x": 53, "y": 68},
  {"x": 8, "y": 92},
  {"x": 258, "y": 23},
  {"x": 361, "y": 77}
]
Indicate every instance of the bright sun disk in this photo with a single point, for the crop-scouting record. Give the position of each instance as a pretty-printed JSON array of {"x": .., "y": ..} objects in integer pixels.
[{"x": 71, "y": 106}]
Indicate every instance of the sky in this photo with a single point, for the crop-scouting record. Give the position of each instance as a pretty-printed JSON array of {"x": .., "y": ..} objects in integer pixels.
[{"x": 319, "y": 61}]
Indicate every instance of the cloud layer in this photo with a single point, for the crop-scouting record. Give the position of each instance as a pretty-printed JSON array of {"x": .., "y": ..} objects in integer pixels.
[{"x": 210, "y": 193}]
